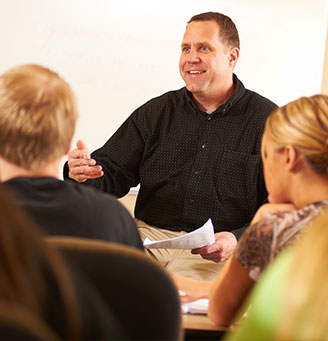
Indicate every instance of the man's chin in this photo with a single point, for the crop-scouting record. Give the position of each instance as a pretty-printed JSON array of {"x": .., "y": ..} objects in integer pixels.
[{"x": 195, "y": 90}]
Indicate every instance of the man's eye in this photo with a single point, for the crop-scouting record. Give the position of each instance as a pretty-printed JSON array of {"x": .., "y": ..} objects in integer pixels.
[
  {"x": 185, "y": 49},
  {"x": 205, "y": 48}
]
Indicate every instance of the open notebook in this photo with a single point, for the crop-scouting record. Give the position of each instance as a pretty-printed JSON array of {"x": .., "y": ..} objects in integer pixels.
[{"x": 196, "y": 307}]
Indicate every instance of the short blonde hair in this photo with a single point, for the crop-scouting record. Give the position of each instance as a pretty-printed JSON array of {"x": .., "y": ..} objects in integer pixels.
[
  {"x": 38, "y": 113},
  {"x": 303, "y": 124}
]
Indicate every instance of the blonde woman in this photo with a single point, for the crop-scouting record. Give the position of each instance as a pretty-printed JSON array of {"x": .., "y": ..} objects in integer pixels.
[
  {"x": 295, "y": 159},
  {"x": 289, "y": 300}
]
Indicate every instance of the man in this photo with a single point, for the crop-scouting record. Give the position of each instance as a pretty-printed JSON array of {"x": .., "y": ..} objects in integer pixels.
[
  {"x": 195, "y": 151},
  {"x": 37, "y": 120}
]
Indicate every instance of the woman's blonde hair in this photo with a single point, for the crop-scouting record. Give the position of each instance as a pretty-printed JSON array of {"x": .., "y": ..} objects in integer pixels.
[
  {"x": 304, "y": 312},
  {"x": 38, "y": 112},
  {"x": 303, "y": 124}
]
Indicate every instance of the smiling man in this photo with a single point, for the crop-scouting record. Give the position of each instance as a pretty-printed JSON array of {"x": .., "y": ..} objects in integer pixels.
[
  {"x": 206, "y": 64},
  {"x": 195, "y": 152}
]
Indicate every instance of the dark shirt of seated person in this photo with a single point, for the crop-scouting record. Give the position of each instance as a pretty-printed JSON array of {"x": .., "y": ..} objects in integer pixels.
[
  {"x": 37, "y": 119},
  {"x": 295, "y": 159},
  {"x": 67, "y": 209},
  {"x": 38, "y": 283}
]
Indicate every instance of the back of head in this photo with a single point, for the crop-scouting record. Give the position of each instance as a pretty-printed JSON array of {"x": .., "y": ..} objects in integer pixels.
[
  {"x": 303, "y": 124},
  {"x": 37, "y": 116},
  {"x": 228, "y": 30}
]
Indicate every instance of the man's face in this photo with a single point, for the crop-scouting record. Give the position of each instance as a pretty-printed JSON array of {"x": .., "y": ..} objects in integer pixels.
[{"x": 205, "y": 62}]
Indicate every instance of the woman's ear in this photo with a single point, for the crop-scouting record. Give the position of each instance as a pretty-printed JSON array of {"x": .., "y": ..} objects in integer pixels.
[{"x": 292, "y": 158}]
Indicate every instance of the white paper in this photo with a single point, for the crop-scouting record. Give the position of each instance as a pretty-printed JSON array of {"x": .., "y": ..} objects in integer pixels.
[
  {"x": 201, "y": 237},
  {"x": 196, "y": 307}
]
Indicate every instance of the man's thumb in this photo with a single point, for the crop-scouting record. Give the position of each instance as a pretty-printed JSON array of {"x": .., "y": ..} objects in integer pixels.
[{"x": 81, "y": 146}]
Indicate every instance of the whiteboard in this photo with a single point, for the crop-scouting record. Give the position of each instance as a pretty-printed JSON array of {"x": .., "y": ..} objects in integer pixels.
[{"x": 118, "y": 54}]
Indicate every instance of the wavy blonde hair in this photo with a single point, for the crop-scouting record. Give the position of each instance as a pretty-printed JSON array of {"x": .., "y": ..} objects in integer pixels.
[
  {"x": 38, "y": 113},
  {"x": 304, "y": 315},
  {"x": 303, "y": 124}
]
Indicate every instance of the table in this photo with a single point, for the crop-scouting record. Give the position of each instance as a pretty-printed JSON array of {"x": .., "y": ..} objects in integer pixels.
[{"x": 200, "y": 327}]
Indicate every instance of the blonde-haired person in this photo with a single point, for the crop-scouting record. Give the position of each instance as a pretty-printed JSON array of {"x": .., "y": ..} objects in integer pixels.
[
  {"x": 289, "y": 302},
  {"x": 38, "y": 112},
  {"x": 295, "y": 160},
  {"x": 38, "y": 283}
]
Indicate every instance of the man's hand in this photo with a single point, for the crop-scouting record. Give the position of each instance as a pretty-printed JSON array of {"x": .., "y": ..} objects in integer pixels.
[
  {"x": 81, "y": 166},
  {"x": 225, "y": 243}
]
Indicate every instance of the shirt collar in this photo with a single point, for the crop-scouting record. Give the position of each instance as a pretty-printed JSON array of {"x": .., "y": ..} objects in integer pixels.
[{"x": 237, "y": 94}]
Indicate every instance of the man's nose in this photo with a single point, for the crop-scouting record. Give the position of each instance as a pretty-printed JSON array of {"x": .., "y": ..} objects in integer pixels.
[{"x": 193, "y": 56}]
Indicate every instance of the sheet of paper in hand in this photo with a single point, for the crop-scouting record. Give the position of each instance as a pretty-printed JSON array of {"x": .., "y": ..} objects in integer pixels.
[{"x": 198, "y": 238}]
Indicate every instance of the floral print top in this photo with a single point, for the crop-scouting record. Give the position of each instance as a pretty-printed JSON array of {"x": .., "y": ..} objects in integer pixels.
[{"x": 263, "y": 241}]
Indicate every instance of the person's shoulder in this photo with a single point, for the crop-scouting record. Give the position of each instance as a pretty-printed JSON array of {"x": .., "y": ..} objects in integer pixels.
[
  {"x": 252, "y": 101},
  {"x": 88, "y": 194},
  {"x": 170, "y": 95},
  {"x": 166, "y": 98},
  {"x": 256, "y": 232},
  {"x": 285, "y": 226},
  {"x": 104, "y": 206},
  {"x": 260, "y": 100},
  {"x": 159, "y": 108},
  {"x": 253, "y": 250}
]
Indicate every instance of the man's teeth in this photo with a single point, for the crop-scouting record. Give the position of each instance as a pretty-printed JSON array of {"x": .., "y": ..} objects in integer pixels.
[{"x": 195, "y": 71}]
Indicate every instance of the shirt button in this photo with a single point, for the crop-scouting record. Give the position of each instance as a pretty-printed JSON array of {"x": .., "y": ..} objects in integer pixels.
[
  {"x": 197, "y": 172},
  {"x": 204, "y": 146},
  {"x": 209, "y": 118},
  {"x": 190, "y": 201}
]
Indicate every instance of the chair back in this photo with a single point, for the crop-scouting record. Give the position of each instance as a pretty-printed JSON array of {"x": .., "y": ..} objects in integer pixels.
[
  {"x": 137, "y": 289},
  {"x": 17, "y": 323}
]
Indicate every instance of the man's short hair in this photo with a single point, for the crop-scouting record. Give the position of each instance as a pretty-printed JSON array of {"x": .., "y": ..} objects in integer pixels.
[
  {"x": 228, "y": 30},
  {"x": 38, "y": 112}
]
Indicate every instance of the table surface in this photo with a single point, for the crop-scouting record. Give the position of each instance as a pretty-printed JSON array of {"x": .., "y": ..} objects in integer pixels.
[{"x": 200, "y": 322}]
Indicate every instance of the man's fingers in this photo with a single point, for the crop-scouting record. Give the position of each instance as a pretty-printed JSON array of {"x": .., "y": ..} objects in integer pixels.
[
  {"x": 84, "y": 173},
  {"x": 206, "y": 249},
  {"x": 198, "y": 251},
  {"x": 78, "y": 162},
  {"x": 79, "y": 154},
  {"x": 83, "y": 177},
  {"x": 87, "y": 171},
  {"x": 215, "y": 257},
  {"x": 83, "y": 148},
  {"x": 80, "y": 145}
]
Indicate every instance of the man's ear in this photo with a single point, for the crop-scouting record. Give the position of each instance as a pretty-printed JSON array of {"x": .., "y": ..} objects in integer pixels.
[{"x": 233, "y": 56}]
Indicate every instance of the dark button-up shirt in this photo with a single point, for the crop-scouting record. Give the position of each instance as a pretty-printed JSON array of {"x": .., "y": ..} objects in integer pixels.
[{"x": 191, "y": 165}]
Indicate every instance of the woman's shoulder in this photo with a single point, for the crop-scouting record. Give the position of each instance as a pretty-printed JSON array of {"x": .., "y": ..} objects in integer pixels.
[{"x": 263, "y": 241}]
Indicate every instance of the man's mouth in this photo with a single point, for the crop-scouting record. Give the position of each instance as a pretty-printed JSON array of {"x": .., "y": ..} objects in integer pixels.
[{"x": 195, "y": 72}]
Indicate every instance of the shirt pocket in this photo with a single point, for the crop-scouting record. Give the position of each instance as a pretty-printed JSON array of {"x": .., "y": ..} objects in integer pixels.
[{"x": 238, "y": 176}]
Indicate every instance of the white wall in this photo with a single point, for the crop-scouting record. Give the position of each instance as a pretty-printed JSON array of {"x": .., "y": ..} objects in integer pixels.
[{"x": 118, "y": 54}]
